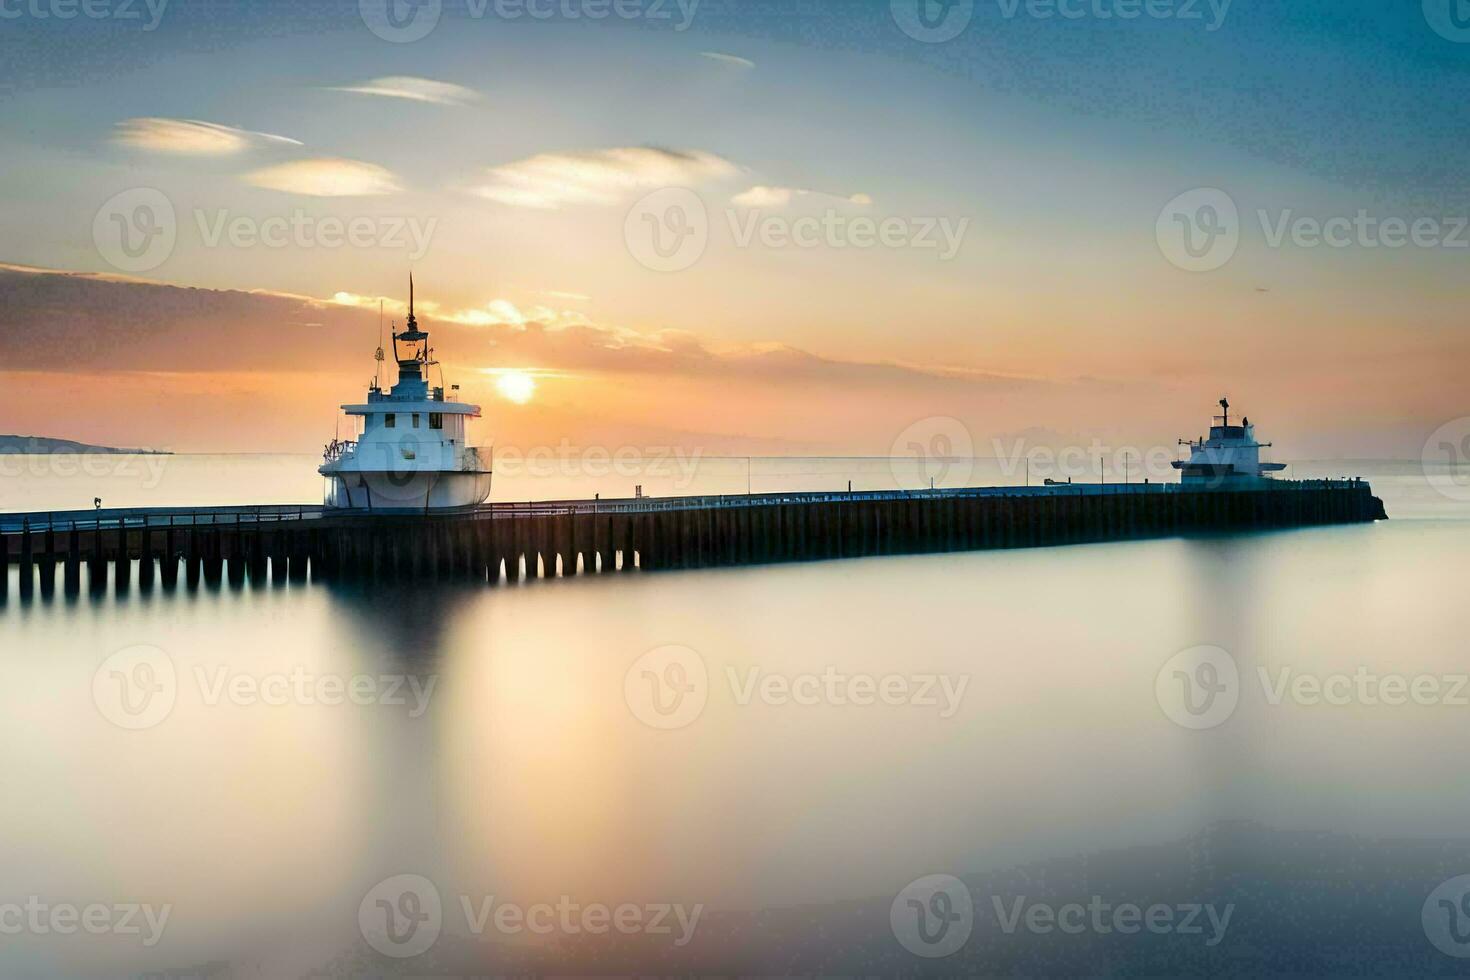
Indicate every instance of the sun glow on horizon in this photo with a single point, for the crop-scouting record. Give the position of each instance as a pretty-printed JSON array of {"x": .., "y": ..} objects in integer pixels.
[{"x": 516, "y": 386}]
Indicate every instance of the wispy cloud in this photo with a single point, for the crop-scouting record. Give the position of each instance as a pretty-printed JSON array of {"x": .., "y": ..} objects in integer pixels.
[
  {"x": 504, "y": 313},
  {"x": 415, "y": 89},
  {"x": 494, "y": 313},
  {"x": 326, "y": 177},
  {"x": 551, "y": 180},
  {"x": 761, "y": 196},
  {"x": 728, "y": 59},
  {"x": 191, "y": 137}
]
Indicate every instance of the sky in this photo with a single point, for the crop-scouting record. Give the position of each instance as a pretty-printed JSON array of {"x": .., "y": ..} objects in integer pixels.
[{"x": 768, "y": 227}]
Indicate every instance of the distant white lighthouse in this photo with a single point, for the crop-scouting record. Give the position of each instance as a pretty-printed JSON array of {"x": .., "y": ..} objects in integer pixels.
[
  {"x": 1230, "y": 457},
  {"x": 412, "y": 453}
]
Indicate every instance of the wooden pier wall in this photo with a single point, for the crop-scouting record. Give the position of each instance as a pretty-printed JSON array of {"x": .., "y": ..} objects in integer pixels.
[{"x": 493, "y": 547}]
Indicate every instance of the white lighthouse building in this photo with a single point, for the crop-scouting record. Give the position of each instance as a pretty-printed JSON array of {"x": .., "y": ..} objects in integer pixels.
[
  {"x": 1229, "y": 458},
  {"x": 412, "y": 453}
]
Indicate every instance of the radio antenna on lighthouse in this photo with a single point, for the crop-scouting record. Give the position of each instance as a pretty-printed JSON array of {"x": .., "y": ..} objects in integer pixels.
[{"x": 378, "y": 355}]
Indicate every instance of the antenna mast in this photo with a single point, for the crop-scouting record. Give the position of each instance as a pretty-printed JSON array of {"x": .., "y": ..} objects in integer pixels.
[{"x": 378, "y": 354}]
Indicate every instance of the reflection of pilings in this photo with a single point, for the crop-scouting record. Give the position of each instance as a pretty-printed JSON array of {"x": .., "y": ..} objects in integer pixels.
[
  {"x": 96, "y": 564},
  {"x": 47, "y": 569},
  {"x": 145, "y": 558},
  {"x": 27, "y": 562},
  {"x": 72, "y": 577},
  {"x": 235, "y": 566},
  {"x": 123, "y": 561},
  {"x": 169, "y": 561},
  {"x": 214, "y": 558},
  {"x": 296, "y": 555},
  {"x": 279, "y": 561},
  {"x": 193, "y": 558},
  {"x": 257, "y": 562}
]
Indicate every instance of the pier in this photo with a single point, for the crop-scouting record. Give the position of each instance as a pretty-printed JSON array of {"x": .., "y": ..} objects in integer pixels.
[{"x": 509, "y": 542}]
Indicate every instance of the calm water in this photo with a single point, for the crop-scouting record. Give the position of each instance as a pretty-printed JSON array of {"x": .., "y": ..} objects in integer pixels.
[{"x": 704, "y": 741}]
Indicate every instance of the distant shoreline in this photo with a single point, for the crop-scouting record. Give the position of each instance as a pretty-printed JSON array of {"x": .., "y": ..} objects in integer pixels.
[{"x": 41, "y": 445}]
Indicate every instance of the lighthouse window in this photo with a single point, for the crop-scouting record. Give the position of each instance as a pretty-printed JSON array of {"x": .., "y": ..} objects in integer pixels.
[
  {"x": 436, "y": 420},
  {"x": 390, "y": 421}
]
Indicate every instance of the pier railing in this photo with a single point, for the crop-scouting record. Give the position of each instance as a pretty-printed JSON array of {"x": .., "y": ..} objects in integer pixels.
[{"x": 136, "y": 517}]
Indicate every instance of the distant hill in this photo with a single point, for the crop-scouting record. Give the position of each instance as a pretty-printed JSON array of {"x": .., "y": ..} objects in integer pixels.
[{"x": 38, "y": 445}]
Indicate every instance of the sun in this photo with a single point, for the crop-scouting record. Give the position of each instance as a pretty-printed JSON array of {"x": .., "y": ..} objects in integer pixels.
[{"x": 516, "y": 386}]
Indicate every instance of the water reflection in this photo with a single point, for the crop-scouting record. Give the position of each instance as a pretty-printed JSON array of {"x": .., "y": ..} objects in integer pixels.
[{"x": 528, "y": 776}]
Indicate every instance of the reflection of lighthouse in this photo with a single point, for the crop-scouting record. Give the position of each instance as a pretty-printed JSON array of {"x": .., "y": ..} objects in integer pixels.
[
  {"x": 412, "y": 453},
  {"x": 1229, "y": 457}
]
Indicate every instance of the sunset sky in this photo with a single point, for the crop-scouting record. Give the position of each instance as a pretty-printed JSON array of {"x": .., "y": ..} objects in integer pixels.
[{"x": 504, "y": 160}]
